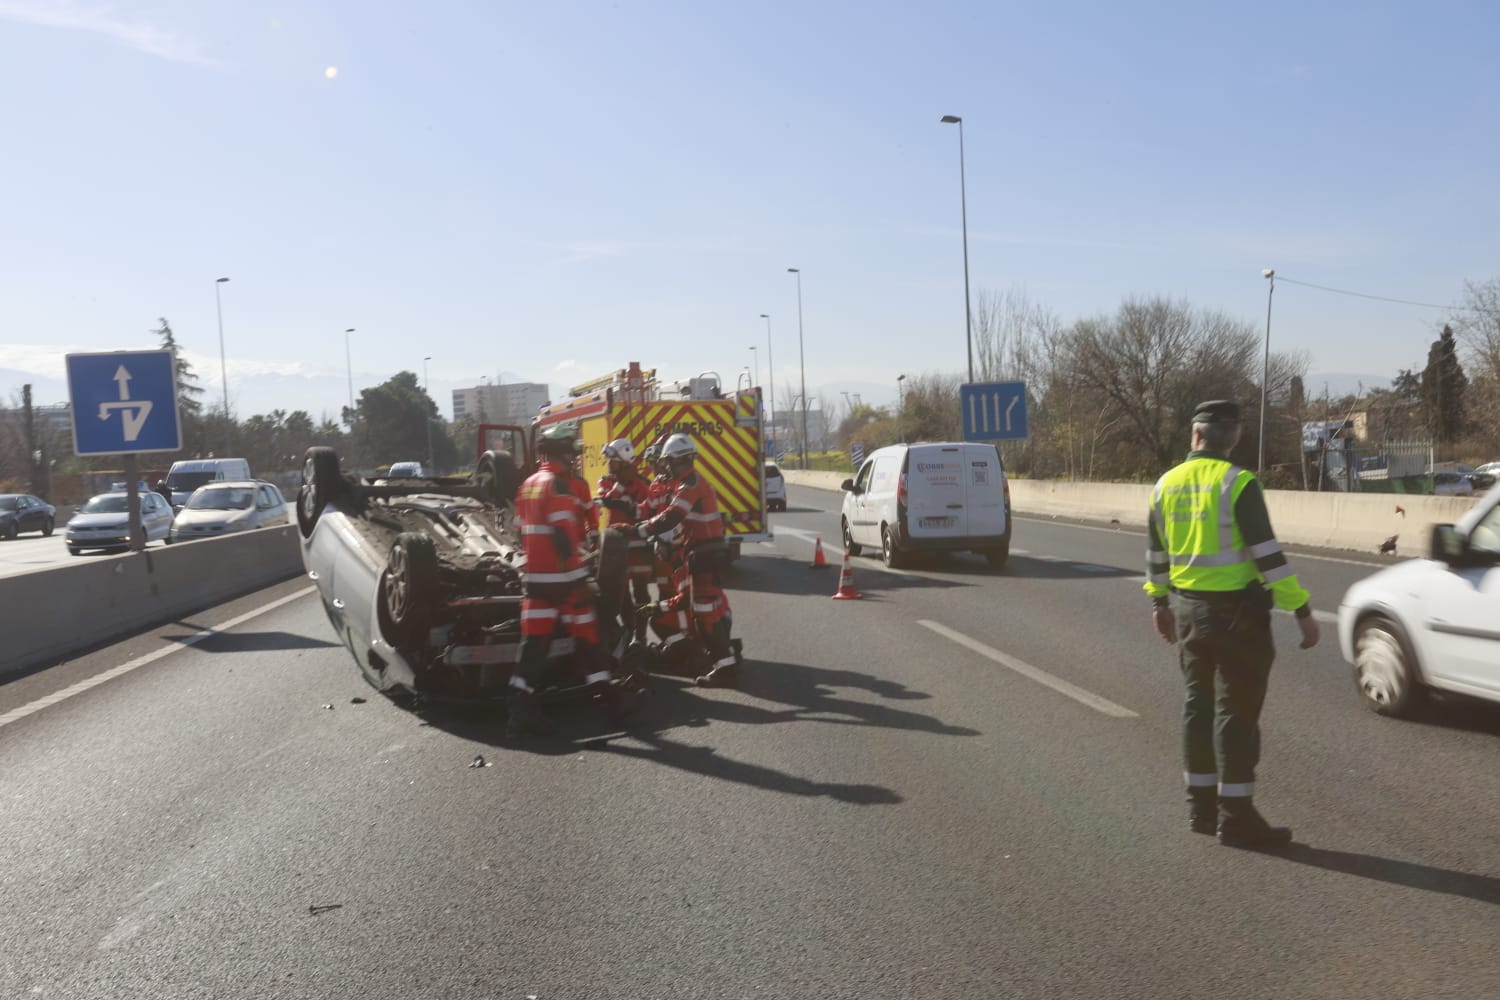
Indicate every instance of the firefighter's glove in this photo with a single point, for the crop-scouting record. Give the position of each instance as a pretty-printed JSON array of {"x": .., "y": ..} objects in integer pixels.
[
  {"x": 642, "y": 531},
  {"x": 649, "y": 611}
]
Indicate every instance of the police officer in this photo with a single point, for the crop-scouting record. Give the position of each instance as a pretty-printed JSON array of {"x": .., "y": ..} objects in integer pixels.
[
  {"x": 554, "y": 511},
  {"x": 1211, "y": 554}
]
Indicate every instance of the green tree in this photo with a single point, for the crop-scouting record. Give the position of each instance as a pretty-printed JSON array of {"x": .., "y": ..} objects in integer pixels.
[
  {"x": 189, "y": 406},
  {"x": 394, "y": 421},
  {"x": 1444, "y": 386}
]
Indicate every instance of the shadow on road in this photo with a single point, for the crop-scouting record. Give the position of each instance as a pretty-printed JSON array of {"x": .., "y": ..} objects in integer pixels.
[
  {"x": 1477, "y": 887},
  {"x": 247, "y": 642},
  {"x": 779, "y": 575},
  {"x": 1445, "y": 710}
]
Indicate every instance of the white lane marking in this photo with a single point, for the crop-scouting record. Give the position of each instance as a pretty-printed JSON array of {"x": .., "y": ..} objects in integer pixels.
[
  {"x": 1078, "y": 694},
  {"x": 1121, "y": 530},
  {"x": 834, "y": 552},
  {"x": 17, "y": 714}
]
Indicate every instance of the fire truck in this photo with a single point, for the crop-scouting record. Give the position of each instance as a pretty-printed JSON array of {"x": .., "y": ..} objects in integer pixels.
[{"x": 726, "y": 426}]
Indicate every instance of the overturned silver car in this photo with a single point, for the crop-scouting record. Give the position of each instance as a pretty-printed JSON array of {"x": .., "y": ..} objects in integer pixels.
[{"x": 422, "y": 578}]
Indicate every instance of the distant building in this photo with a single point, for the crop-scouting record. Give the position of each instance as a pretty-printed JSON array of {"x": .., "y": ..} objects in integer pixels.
[{"x": 513, "y": 403}]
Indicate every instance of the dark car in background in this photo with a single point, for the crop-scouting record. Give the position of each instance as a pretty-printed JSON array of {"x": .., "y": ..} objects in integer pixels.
[{"x": 23, "y": 512}]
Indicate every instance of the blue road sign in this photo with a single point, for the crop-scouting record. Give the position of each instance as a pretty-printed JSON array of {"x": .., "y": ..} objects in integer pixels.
[
  {"x": 857, "y": 453},
  {"x": 124, "y": 402},
  {"x": 993, "y": 411}
]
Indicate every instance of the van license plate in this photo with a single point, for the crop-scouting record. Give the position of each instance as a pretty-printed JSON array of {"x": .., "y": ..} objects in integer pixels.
[{"x": 934, "y": 522}]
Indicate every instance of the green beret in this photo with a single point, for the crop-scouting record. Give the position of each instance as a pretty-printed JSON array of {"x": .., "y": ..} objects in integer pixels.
[{"x": 1217, "y": 411}]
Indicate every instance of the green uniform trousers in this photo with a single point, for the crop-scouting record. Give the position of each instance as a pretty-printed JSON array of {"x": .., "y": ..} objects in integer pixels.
[{"x": 1226, "y": 652}]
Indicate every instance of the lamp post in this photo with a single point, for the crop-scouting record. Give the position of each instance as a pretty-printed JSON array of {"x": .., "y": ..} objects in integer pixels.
[
  {"x": 349, "y": 367},
  {"x": 223, "y": 365},
  {"x": 802, "y": 361},
  {"x": 426, "y": 417},
  {"x": 900, "y": 409},
  {"x": 755, "y": 358},
  {"x": 1265, "y": 369},
  {"x": 963, "y": 205},
  {"x": 770, "y": 369}
]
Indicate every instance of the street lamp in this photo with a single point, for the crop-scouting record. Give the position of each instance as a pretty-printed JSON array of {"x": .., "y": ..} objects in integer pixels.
[
  {"x": 900, "y": 410},
  {"x": 802, "y": 359},
  {"x": 427, "y": 417},
  {"x": 963, "y": 204},
  {"x": 1260, "y": 462},
  {"x": 349, "y": 366},
  {"x": 770, "y": 368},
  {"x": 223, "y": 365},
  {"x": 755, "y": 358}
]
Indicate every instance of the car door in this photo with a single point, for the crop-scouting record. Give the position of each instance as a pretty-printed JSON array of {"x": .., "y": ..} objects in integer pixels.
[
  {"x": 856, "y": 503},
  {"x": 27, "y": 515},
  {"x": 156, "y": 518},
  {"x": 1463, "y": 615}
]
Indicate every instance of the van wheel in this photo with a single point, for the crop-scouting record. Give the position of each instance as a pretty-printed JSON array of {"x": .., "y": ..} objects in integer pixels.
[
  {"x": 853, "y": 548},
  {"x": 998, "y": 556},
  {"x": 496, "y": 478},
  {"x": 894, "y": 557},
  {"x": 322, "y": 484},
  {"x": 408, "y": 587}
]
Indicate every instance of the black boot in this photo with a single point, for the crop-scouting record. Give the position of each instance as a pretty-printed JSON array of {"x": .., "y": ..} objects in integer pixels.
[
  {"x": 1203, "y": 809},
  {"x": 621, "y": 701},
  {"x": 1242, "y": 825},
  {"x": 526, "y": 717},
  {"x": 726, "y": 658}
]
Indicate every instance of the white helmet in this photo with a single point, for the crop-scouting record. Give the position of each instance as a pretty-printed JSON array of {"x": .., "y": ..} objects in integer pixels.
[
  {"x": 622, "y": 449},
  {"x": 679, "y": 446}
]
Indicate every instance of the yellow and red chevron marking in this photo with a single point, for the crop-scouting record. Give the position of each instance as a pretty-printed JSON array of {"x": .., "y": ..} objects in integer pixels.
[{"x": 728, "y": 454}]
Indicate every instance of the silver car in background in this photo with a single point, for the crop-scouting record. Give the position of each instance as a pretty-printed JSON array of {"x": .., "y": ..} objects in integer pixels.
[
  {"x": 224, "y": 508},
  {"x": 104, "y": 522}
]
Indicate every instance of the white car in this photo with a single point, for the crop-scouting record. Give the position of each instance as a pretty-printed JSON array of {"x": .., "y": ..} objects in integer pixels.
[
  {"x": 104, "y": 522},
  {"x": 775, "y": 487},
  {"x": 405, "y": 470},
  {"x": 1430, "y": 623},
  {"x": 224, "y": 508}
]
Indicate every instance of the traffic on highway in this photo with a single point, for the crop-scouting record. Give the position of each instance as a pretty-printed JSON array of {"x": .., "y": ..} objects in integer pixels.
[{"x": 965, "y": 784}]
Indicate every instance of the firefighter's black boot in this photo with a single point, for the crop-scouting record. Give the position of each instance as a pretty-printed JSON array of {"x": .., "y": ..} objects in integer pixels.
[
  {"x": 525, "y": 716},
  {"x": 724, "y": 655},
  {"x": 1203, "y": 809},
  {"x": 1242, "y": 825}
]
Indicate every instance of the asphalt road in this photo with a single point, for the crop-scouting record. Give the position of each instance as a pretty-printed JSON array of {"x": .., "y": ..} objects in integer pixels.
[{"x": 964, "y": 785}]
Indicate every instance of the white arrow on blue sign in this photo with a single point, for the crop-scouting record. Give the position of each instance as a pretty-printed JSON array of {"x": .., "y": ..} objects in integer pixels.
[
  {"x": 993, "y": 411},
  {"x": 124, "y": 402},
  {"x": 857, "y": 453}
]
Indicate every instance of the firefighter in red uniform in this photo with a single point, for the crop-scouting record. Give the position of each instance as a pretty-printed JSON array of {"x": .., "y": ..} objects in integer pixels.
[
  {"x": 695, "y": 507},
  {"x": 552, "y": 516},
  {"x": 667, "y": 561},
  {"x": 623, "y": 492}
]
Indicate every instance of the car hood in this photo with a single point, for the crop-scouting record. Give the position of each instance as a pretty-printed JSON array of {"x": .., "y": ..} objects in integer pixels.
[
  {"x": 195, "y": 518},
  {"x": 99, "y": 520},
  {"x": 1389, "y": 583}
]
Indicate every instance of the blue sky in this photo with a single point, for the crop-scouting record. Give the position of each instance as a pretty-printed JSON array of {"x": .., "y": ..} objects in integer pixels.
[{"x": 551, "y": 190}]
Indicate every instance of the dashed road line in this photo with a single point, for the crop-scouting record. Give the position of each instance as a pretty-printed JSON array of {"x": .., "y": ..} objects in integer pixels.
[{"x": 1078, "y": 694}]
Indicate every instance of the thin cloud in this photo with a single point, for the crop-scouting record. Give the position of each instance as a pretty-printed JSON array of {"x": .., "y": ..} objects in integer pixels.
[{"x": 70, "y": 16}]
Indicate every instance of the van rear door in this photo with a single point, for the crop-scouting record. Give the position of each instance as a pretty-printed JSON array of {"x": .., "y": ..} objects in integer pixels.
[
  {"x": 984, "y": 491},
  {"x": 935, "y": 477}
]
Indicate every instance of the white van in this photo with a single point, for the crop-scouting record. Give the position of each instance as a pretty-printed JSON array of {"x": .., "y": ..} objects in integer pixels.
[
  {"x": 186, "y": 476},
  {"x": 948, "y": 496}
]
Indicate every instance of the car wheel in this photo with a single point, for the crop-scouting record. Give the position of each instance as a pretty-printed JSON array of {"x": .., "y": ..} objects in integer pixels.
[
  {"x": 408, "y": 587},
  {"x": 894, "y": 557},
  {"x": 1384, "y": 668},
  {"x": 611, "y": 572},
  {"x": 496, "y": 478},
  {"x": 47, "y": 527},
  {"x": 10, "y": 531},
  {"x": 850, "y": 546},
  {"x": 74, "y": 550},
  {"x": 998, "y": 556},
  {"x": 322, "y": 483}
]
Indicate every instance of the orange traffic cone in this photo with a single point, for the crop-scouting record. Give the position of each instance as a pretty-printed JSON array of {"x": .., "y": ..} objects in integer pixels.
[
  {"x": 818, "y": 561},
  {"x": 846, "y": 591}
]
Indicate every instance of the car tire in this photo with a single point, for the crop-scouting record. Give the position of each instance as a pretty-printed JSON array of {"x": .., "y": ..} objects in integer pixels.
[
  {"x": 47, "y": 527},
  {"x": 1385, "y": 670},
  {"x": 74, "y": 550},
  {"x": 610, "y": 574},
  {"x": 850, "y": 545},
  {"x": 10, "y": 531},
  {"x": 322, "y": 484},
  {"x": 998, "y": 556},
  {"x": 892, "y": 556},
  {"x": 497, "y": 479},
  {"x": 408, "y": 586}
]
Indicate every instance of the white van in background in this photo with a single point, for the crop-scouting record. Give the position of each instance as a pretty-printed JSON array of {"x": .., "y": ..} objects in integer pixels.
[
  {"x": 186, "y": 476},
  {"x": 948, "y": 496}
]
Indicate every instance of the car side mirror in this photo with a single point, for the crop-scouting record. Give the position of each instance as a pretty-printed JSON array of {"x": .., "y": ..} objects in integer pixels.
[
  {"x": 848, "y": 486},
  {"x": 1446, "y": 544}
]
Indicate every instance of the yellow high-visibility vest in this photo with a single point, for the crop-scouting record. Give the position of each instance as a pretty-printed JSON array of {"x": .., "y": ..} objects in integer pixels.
[{"x": 1193, "y": 505}]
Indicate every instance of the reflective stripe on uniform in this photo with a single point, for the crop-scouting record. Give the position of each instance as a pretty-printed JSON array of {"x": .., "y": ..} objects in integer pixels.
[
  {"x": 601, "y": 677},
  {"x": 519, "y": 683},
  {"x": 567, "y": 577},
  {"x": 1200, "y": 780},
  {"x": 536, "y": 529},
  {"x": 538, "y": 613},
  {"x": 1237, "y": 790},
  {"x": 587, "y": 616},
  {"x": 728, "y": 661},
  {"x": 695, "y": 516}
]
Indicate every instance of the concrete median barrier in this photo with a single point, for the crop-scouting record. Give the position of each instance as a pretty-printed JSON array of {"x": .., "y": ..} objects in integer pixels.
[
  {"x": 55, "y": 613},
  {"x": 1354, "y": 521}
]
